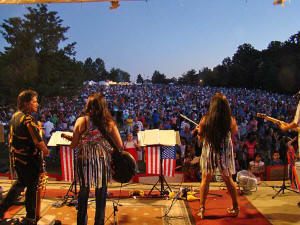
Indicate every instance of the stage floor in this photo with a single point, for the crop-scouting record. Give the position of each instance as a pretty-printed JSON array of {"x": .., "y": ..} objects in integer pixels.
[{"x": 283, "y": 210}]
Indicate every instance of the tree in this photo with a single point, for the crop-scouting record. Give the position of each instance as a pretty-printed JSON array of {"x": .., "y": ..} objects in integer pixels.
[
  {"x": 158, "y": 78},
  {"x": 118, "y": 75},
  {"x": 191, "y": 77},
  {"x": 99, "y": 69},
  {"x": 35, "y": 57},
  {"x": 140, "y": 79}
]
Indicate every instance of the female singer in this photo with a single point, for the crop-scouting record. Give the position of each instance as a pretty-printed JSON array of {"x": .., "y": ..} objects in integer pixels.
[
  {"x": 215, "y": 128},
  {"x": 92, "y": 136}
]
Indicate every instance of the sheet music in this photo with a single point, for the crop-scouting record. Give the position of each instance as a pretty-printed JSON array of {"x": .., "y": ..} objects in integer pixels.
[
  {"x": 56, "y": 139},
  {"x": 167, "y": 137},
  {"x": 158, "y": 137}
]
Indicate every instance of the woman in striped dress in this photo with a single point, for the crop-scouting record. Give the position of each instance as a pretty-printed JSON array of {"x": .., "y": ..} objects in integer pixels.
[
  {"x": 215, "y": 128},
  {"x": 92, "y": 136}
]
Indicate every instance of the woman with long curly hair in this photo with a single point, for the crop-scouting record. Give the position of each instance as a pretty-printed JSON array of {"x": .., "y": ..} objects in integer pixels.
[
  {"x": 94, "y": 135},
  {"x": 215, "y": 128}
]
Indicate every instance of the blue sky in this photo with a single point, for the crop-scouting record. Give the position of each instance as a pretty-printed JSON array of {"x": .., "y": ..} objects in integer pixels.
[{"x": 172, "y": 36}]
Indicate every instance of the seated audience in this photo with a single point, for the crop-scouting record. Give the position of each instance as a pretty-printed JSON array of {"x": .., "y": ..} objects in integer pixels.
[
  {"x": 276, "y": 161},
  {"x": 257, "y": 167}
]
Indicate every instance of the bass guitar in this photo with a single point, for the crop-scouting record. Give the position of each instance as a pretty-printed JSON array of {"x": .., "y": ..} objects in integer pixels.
[
  {"x": 276, "y": 121},
  {"x": 43, "y": 179}
]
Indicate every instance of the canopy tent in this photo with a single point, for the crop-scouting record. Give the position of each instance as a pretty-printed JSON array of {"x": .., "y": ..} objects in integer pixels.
[
  {"x": 53, "y": 1},
  {"x": 114, "y": 3}
]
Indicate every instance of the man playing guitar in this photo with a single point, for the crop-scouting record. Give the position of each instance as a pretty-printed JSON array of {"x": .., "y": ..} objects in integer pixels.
[
  {"x": 295, "y": 124},
  {"x": 25, "y": 144}
]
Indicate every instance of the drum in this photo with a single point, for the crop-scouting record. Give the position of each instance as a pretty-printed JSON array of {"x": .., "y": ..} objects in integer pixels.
[{"x": 124, "y": 166}]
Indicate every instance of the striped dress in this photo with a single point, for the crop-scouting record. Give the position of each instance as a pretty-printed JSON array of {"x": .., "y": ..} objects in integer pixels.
[
  {"x": 224, "y": 161},
  {"x": 93, "y": 161}
]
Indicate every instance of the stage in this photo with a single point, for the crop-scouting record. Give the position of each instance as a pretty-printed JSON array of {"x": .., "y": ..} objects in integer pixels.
[{"x": 256, "y": 208}]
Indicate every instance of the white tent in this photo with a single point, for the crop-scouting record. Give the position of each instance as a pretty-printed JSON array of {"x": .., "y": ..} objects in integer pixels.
[{"x": 104, "y": 83}]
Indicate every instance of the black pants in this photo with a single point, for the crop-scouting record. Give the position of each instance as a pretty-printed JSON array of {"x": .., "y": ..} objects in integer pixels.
[
  {"x": 100, "y": 205},
  {"x": 28, "y": 176},
  {"x": 100, "y": 194}
]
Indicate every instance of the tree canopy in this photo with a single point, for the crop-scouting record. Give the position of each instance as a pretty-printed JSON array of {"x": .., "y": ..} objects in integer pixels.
[{"x": 38, "y": 57}]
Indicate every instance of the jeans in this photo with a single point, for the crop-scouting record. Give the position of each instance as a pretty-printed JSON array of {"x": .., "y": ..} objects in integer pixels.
[
  {"x": 100, "y": 194},
  {"x": 100, "y": 205}
]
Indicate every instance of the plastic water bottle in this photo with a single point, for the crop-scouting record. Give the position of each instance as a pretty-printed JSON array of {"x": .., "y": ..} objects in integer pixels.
[{"x": 1, "y": 191}]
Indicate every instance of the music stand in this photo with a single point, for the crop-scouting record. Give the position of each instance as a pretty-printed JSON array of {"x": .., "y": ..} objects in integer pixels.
[
  {"x": 57, "y": 140},
  {"x": 159, "y": 138},
  {"x": 161, "y": 179},
  {"x": 283, "y": 186}
]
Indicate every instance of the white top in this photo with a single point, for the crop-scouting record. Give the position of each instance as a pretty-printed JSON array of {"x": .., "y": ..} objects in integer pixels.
[
  {"x": 48, "y": 126},
  {"x": 256, "y": 168}
]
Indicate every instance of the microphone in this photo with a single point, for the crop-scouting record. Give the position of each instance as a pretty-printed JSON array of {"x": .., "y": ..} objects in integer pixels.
[{"x": 296, "y": 95}]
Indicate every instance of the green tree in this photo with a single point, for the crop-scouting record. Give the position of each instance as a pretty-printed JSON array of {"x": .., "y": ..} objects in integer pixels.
[
  {"x": 118, "y": 75},
  {"x": 191, "y": 77},
  {"x": 158, "y": 78},
  {"x": 35, "y": 57},
  {"x": 140, "y": 79}
]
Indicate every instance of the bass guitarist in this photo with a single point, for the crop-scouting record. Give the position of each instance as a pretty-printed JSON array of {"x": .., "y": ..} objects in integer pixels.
[{"x": 25, "y": 144}]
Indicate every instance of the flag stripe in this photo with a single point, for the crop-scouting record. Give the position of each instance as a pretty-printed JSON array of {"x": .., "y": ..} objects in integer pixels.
[{"x": 67, "y": 167}]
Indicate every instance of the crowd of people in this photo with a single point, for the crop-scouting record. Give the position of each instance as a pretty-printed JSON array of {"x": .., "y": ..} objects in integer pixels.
[{"x": 258, "y": 143}]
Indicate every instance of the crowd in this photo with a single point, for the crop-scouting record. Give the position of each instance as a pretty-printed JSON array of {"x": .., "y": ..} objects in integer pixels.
[{"x": 257, "y": 144}]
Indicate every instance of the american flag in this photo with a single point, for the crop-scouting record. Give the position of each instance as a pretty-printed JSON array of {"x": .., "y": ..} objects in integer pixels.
[
  {"x": 67, "y": 159},
  {"x": 153, "y": 160},
  {"x": 169, "y": 160}
]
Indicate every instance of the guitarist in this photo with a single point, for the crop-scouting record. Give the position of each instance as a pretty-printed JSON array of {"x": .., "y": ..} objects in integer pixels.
[
  {"x": 296, "y": 122},
  {"x": 94, "y": 135},
  {"x": 25, "y": 142}
]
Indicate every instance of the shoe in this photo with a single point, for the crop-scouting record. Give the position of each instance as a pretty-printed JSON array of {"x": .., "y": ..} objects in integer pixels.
[
  {"x": 200, "y": 213},
  {"x": 233, "y": 211},
  {"x": 28, "y": 221}
]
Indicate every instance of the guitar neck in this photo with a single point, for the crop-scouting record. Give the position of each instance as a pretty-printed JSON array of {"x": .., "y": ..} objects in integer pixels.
[
  {"x": 68, "y": 137},
  {"x": 273, "y": 120},
  {"x": 278, "y": 122}
]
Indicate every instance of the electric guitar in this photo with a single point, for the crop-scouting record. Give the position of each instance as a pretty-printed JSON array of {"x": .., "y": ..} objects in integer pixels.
[{"x": 276, "y": 121}]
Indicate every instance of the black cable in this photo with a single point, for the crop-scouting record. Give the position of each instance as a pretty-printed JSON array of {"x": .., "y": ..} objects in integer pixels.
[{"x": 174, "y": 200}]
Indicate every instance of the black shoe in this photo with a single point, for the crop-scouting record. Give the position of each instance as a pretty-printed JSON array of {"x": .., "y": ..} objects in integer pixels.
[
  {"x": 298, "y": 204},
  {"x": 28, "y": 221}
]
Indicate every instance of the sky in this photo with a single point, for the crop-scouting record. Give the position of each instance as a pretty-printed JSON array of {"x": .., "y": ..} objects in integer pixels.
[{"x": 172, "y": 36}]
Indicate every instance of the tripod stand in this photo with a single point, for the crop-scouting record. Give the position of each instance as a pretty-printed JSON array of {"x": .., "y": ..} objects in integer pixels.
[
  {"x": 68, "y": 195},
  {"x": 163, "y": 190},
  {"x": 114, "y": 213},
  {"x": 283, "y": 186}
]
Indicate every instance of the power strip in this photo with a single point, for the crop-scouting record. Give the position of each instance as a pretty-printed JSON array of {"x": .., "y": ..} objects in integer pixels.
[{"x": 47, "y": 220}]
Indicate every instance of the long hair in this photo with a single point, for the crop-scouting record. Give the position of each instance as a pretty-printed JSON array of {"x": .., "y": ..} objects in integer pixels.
[
  {"x": 217, "y": 122},
  {"x": 97, "y": 110},
  {"x": 25, "y": 97}
]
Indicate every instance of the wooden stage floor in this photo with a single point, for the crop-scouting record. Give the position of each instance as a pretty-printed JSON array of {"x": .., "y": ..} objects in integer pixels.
[{"x": 283, "y": 210}]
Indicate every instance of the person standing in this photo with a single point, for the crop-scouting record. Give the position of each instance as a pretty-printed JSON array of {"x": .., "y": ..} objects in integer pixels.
[
  {"x": 48, "y": 126},
  {"x": 215, "y": 128},
  {"x": 94, "y": 135},
  {"x": 25, "y": 145},
  {"x": 295, "y": 123}
]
